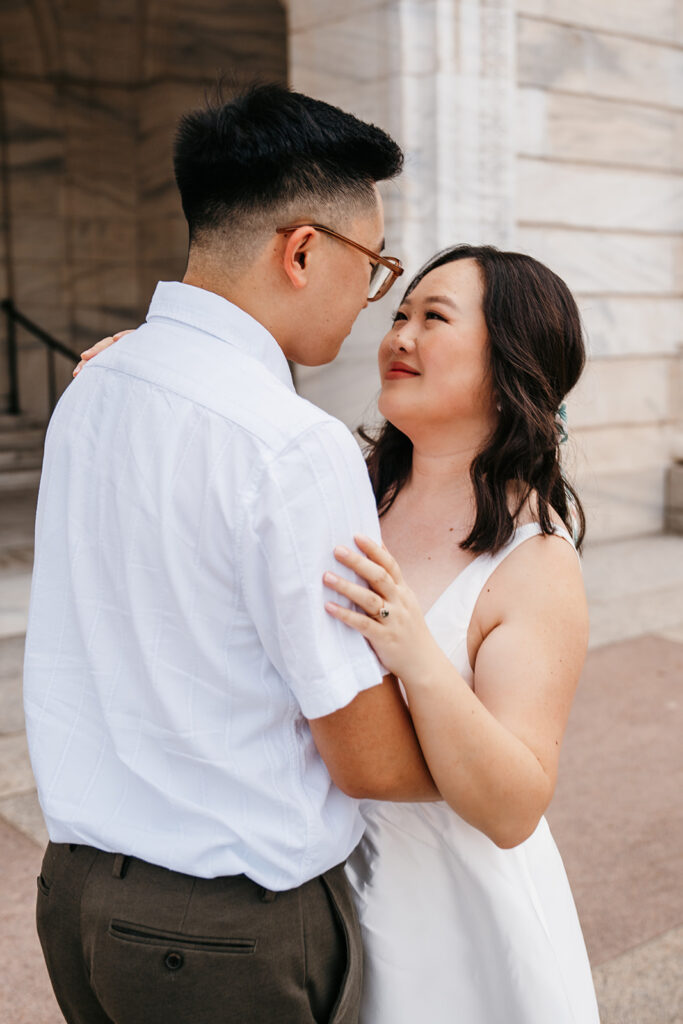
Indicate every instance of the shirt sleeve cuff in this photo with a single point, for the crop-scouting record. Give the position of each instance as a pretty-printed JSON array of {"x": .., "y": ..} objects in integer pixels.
[{"x": 335, "y": 690}]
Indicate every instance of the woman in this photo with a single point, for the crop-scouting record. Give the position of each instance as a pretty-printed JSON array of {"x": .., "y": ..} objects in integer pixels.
[
  {"x": 465, "y": 907},
  {"x": 464, "y": 904}
]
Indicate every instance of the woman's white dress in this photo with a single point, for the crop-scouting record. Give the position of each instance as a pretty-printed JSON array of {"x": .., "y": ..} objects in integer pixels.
[{"x": 456, "y": 930}]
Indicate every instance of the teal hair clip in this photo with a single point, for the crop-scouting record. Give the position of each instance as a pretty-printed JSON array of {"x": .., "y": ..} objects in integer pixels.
[{"x": 562, "y": 420}]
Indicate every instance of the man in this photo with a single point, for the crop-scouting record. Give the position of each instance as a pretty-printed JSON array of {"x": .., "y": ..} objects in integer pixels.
[{"x": 200, "y": 729}]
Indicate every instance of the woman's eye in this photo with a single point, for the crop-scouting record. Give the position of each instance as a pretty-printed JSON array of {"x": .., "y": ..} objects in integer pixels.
[
  {"x": 432, "y": 315},
  {"x": 398, "y": 315}
]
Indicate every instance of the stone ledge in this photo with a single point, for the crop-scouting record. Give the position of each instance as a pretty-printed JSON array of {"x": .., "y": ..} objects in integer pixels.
[
  {"x": 634, "y": 587},
  {"x": 673, "y": 508}
]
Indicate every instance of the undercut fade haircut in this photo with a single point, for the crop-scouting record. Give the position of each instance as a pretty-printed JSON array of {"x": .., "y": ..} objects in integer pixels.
[{"x": 270, "y": 152}]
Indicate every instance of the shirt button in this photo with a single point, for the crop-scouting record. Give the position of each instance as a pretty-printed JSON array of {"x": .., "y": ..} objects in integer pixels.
[{"x": 174, "y": 961}]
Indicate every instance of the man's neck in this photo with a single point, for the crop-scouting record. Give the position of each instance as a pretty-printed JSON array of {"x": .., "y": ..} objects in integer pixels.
[
  {"x": 234, "y": 292},
  {"x": 200, "y": 277}
]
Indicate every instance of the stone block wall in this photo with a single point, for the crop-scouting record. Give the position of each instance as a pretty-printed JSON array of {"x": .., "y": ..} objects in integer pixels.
[
  {"x": 554, "y": 127},
  {"x": 89, "y": 97},
  {"x": 439, "y": 76},
  {"x": 599, "y": 197}
]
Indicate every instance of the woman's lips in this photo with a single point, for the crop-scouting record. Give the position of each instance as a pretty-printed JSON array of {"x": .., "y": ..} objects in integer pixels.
[{"x": 397, "y": 371}]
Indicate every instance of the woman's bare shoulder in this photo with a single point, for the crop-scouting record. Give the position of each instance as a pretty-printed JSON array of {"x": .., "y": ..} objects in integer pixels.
[
  {"x": 542, "y": 573},
  {"x": 537, "y": 590},
  {"x": 541, "y": 579}
]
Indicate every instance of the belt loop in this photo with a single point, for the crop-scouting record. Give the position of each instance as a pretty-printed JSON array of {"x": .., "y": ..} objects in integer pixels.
[
  {"x": 267, "y": 896},
  {"x": 120, "y": 867}
]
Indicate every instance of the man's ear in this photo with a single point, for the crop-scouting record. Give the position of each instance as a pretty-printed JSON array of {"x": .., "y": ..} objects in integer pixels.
[{"x": 296, "y": 254}]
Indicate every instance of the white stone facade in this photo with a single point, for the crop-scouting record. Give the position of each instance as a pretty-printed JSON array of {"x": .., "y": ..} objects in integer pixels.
[{"x": 550, "y": 126}]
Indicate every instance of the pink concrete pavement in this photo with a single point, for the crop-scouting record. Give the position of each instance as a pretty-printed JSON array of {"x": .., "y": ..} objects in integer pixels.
[{"x": 617, "y": 815}]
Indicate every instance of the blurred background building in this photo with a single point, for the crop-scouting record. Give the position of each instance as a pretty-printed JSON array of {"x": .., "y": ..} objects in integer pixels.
[{"x": 551, "y": 126}]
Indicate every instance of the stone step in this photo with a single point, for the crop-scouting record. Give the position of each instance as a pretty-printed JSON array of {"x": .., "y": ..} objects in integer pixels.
[
  {"x": 8, "y": 421},
  {"x": 28, "y": 437},
  {"x": 19, "y": 480},
  {"x": 21, "y": 452},
  {"x": 20, "y": 458},
  {"x": 634, "y": 587}
]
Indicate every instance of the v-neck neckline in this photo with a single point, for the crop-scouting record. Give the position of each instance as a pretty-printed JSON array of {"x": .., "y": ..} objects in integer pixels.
[
  {"x": 456, "y": 579},
  {"x": 477, "y": 558}
]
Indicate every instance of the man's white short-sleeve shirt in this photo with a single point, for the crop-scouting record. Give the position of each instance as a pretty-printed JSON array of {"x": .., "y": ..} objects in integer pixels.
[{"x": 177, "y": 640}]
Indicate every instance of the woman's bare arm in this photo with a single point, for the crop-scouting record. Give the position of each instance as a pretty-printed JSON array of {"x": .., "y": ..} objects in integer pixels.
[{"x": 493, "y": 753}]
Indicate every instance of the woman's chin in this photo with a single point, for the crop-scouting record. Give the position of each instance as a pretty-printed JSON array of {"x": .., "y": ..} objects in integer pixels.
[
  {"x": 394, "y": 412},
  {"x": 385, "y": 405}
]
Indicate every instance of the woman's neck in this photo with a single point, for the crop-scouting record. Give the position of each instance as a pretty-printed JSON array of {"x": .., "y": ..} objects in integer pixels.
[
  {"x": 433, "y": 513},
  {"x": 441, "y": 466},
  {"x": 439, "y": 490}
]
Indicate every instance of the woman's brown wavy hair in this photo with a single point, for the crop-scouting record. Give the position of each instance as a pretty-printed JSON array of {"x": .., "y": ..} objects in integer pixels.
[{"x": 536, "y": 355}]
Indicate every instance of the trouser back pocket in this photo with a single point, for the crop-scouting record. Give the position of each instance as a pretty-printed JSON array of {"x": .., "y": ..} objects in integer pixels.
[{"x": 128, "y": 931}]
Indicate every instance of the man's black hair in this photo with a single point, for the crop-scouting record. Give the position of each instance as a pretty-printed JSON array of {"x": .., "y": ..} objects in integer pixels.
[{"x": 269, "y": 147}]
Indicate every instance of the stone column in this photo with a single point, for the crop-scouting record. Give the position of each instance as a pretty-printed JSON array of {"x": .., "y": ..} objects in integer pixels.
[{"x": 438, "y": 75}]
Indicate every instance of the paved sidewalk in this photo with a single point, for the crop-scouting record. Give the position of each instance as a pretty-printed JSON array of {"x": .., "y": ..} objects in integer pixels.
[
  {"x": 616, "y": 815},
  {"x": 617, "y": 818}
]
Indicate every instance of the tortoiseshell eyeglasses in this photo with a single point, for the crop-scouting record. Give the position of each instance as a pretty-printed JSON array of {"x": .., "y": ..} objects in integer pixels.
[{"x": 385, "y": 269}]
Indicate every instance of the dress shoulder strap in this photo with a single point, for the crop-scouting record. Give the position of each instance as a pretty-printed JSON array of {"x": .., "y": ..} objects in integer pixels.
[
  {"x": 487, "y": 564},
  {"x": 484, "y": 566},
  {"x": 450, "y": 615}
]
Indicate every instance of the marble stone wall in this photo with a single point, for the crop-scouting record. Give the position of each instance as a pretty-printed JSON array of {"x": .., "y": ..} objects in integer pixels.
[
  {"x": 89, "y": 96},
  {"x": 439, "y": 75},
  {"x": 600, "y": 199},
  {"x": 554, "y": 126}
]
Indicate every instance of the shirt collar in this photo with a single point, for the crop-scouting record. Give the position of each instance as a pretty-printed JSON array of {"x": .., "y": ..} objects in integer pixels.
[{"x": 211, "y": 313}]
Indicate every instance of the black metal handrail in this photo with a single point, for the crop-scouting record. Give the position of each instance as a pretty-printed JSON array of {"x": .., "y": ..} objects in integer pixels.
[{"x": 53, "y": 345}]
